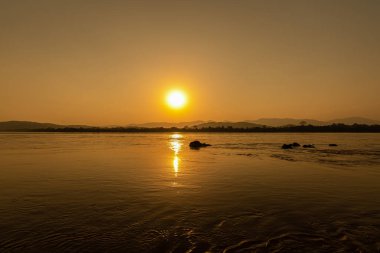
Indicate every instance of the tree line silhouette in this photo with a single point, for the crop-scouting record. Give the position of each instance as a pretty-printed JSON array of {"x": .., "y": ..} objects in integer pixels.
[{"x": 333, "y": 128}]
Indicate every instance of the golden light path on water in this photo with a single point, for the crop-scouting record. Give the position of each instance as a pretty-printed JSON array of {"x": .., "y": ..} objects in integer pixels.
[{"x": 175, "y": 145}]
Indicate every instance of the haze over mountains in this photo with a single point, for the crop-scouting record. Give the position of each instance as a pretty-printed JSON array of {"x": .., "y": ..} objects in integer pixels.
[
  {"x": 29, "y": 125},
  {"x": 270, "y": 122},
  {"x": 276, "y": 122}
]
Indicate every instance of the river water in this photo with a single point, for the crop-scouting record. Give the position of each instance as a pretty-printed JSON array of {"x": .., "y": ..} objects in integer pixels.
[{"x": 146, "y": 192}]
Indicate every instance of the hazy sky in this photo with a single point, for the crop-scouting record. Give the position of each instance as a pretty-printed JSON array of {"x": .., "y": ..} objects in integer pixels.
[{"x": 112, "y": 61}]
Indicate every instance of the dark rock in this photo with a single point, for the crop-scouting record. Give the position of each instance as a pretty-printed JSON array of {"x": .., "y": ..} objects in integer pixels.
[
  {"x": 290, "y": 146},
  {"x": 247, "y": 154},
  {"x": 308, "y": 146},
  {"x": 198, "y": 144},
  {"x": 333, "y": 145},
  {"x": 287, "y": 146}
]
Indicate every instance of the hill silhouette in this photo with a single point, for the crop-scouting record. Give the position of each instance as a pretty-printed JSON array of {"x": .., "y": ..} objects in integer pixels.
[
  {"x": 355, "y": 120},
  {"x": 277, "y": 122},
  {"x": 228, "y": 124},
  {"x": 244, "y": 126},
  {"x": 271, "y": 122},
  {"x": 30, "y": 125}
]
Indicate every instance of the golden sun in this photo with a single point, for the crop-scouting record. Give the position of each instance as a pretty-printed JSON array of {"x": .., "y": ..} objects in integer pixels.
[{"x": 176, "y": 99}]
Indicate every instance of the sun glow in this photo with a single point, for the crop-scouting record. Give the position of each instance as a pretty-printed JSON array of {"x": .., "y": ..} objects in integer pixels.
[{"x": 176, "y": 99}]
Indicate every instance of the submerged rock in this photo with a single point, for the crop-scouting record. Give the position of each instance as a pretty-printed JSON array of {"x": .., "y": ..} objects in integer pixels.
[
  {"x": 308, "y": 146},
  {"x": 287, "y": 146},
  {"x": 290, "y": 146},
  {"x": 333, "y": 145},
  {"x": 198, "y": 144}
]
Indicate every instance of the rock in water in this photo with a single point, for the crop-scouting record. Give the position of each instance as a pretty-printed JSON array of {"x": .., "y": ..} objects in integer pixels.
[
  {"x": 308, "y": 146},
  {"x": 296, "y": 144},
  {"x": 290, "y": 146},
  {"x": 198, "y": 144},
  {"x": 333, "y": 145},
  {"x": 287, "y": 146}
]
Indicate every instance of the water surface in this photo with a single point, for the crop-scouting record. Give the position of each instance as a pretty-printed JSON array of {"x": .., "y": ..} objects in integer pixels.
[{"x": 152, "y": 193}]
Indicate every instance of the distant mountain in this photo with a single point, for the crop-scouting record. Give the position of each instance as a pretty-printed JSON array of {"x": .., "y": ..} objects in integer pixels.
[
  {"x": 167, "y": 124},
  {"x": 271, "y": 122},
  {"x": 29, "y": 125},
  {"x": 353, "y": 120},
  {"x": 276, "y": 122},
  {"x": 229, "y": 124}
]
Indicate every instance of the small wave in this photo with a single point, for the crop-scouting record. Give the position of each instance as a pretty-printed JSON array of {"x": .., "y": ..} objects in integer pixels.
[{"x": 284, "y": 157}]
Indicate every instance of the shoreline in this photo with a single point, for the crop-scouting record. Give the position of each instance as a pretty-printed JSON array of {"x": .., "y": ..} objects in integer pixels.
[{"x": 292, "y": 129}]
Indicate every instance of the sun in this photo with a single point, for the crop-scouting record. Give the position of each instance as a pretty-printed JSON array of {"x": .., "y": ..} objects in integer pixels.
[{"x": 176, "y": 99}]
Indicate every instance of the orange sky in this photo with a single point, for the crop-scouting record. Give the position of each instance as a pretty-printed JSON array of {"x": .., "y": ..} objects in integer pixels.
[{"x": 112, "y": 61}]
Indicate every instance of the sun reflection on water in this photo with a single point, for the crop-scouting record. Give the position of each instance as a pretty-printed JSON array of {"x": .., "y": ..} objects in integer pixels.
[
  {"x": 175, "y": 145},
  {"x": 175, "y": 165}
]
